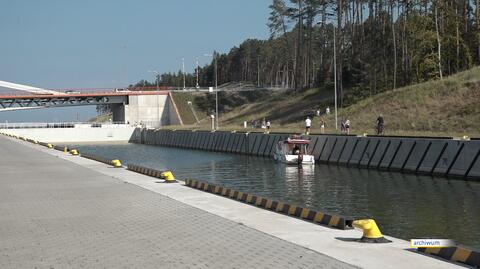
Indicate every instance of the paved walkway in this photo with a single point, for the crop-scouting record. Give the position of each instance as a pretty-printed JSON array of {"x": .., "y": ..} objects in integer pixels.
[{"x": 57, "y": 214}]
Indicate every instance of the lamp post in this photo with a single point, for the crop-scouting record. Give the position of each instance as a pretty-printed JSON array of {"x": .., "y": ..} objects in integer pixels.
[
  {"x": 183, "y": 72},
  {"x": 197, "y": 86},
  {"x": 334, "y": 69},
  {"x": 156, "y": 76},
  {"x": 216, "y": 88},
  {"x": 335, "y": 77}
]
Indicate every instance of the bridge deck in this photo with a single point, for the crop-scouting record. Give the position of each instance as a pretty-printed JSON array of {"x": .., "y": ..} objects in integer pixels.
[{"x": 69, "y": 95}]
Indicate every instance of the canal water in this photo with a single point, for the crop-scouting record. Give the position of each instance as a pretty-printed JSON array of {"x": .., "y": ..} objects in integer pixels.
[{"x": 405, "y": 206}]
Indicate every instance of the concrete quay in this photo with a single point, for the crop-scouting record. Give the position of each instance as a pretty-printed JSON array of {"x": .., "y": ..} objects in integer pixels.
[{"x": 63, "y": 211}]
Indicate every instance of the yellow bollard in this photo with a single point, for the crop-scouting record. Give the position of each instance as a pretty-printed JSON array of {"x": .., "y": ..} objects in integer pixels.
[
  {"x": 50, "y": 146},
  {"x": 168, "y": 177},
  {"x": 35, "y": 142},
  {"x": 371, "y": 232},
  {"x": 74, "y": 152},
  {"x": 116, "y": 163},
  {"x": 65, "y": 149}
]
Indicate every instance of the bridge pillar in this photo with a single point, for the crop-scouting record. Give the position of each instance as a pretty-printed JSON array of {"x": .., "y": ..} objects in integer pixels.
[{"x": 150, "y": 110}]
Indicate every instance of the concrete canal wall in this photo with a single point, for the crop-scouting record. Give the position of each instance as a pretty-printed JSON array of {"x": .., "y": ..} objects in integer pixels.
[
  {"x": 429, "y": 156},
  {"x": 79, "y": 133}
]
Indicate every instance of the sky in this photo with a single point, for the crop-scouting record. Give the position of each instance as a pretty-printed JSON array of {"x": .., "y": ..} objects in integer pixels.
[{"x": 107, "y": 44}]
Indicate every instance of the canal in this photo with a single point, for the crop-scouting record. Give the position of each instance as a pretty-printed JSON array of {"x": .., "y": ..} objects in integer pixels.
[{"x": 404, "y": 205}]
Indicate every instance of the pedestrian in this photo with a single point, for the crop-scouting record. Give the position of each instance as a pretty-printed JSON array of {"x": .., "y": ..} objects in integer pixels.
[
  {"x": 318, "y": 112},
  {"x": 308, "y": 124},
  {"x": 322, "y": 125},
  {"x": 264, "y": 124},
  {"x": 380, "y": 125},
  {"x": 342, "y": 126},
  {"x": 327, "y": 111},
  {"x": 347, "y": 126},
  {"x": 254, "y": 124},
  {"x": 268, "y": 126}
]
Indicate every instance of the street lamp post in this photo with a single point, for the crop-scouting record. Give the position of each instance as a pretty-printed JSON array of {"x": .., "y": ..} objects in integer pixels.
[
  {"x": 197, "y": 86},
  {"x": 216, "y": 88},
  {"x": 183, "y": 72},
  {"x": 334, "y": 69},
  {"x": 335, "y": 77}
]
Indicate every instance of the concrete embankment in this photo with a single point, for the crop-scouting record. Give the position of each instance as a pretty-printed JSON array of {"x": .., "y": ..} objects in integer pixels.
[
  {"x": 80, "y": 213},
  {"x": 429, "y": 156},
  {"x": 78, "y": 133}
]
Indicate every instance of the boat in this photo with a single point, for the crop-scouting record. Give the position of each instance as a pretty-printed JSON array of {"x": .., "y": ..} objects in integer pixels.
[{"x": 293, "y": 150}]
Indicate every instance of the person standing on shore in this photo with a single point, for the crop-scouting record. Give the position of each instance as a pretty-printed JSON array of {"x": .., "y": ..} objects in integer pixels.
[
  {"x": 380, "y": 125},
  {"x": 347, "y": 126},
  {"x": 268, "y": 126},
  {"x": 322, "y": 125},
  {"x": 308, "y": 124}
]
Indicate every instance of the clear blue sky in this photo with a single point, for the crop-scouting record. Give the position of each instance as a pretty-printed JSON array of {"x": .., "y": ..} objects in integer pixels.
[{"x": 96, "y": 44}]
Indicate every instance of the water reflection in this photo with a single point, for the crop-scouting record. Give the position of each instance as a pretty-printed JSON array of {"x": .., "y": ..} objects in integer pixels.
[{"x": 405, "y": 206}]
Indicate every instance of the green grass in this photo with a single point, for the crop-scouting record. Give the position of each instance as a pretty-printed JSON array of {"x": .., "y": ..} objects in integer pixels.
[
  {"x": 186, "y": 114},
  {"x": 448, "y": 107}
]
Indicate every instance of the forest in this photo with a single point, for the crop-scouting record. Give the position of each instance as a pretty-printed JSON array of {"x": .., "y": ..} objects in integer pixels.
[{"x": 368, "y": 46}]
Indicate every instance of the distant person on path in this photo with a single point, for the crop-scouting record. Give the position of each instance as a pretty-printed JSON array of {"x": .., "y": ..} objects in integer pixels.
[
  {"x": 268, "y": 126},
  {"x": 318, "y": 112},
  {"x": 322, "y": 125},
  {"x": 327, "y": 111},
  {"x": 342, "y": 126},
  {"x": 308, "y": 124},
  {"x": 380, "y": 125},
  {"x": 254, "y": 124},
  {"x": 347, "y": 126}
]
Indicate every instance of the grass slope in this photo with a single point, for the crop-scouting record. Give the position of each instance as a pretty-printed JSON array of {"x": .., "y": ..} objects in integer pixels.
[{"x": 448, "y": 107}]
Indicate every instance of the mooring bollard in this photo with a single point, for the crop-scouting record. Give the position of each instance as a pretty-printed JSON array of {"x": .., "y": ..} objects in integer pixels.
[
  {"x": 371, "y": 232},
  {"x": 116, "y": 163}
]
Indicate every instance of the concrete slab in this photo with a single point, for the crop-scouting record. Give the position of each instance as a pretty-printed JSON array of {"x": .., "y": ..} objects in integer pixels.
[
  {"x": 403, "y": 154},
  {"x": 275, "y": 139},
  {"x": 261, "y": 147},
  {"x": 212, "y": 141},
  {"x": 319, "y": 146},
  {"x": 338, "y": 149},
  {"x": 357, "y": 154},
  {"x": 268, "y": 146},
  {"x": 432, "y": 157},
  {"x": 230, "y": 142},
  {"x": 206, "y": 140},
  {"x": 350, "y": 147},
  {"x": 220, "y": 139},
  {"x": 241, "y": 143},
  {"x": 390, "y": 154},
  {"x": 370, "y": 152},
  {"x": 448, "y": 157},
  {"x": 465, "y": 159},
  {"x": 252, "y": 139},
  {"x": 328, "y": 149},
  {"x": 383, "y": 146},
  {"x": 196, "y": 230},
  {"x": 418, "y": 155}
]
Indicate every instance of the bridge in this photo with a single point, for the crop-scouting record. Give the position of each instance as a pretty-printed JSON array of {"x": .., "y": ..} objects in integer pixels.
[{"x": 152, "y": 108}]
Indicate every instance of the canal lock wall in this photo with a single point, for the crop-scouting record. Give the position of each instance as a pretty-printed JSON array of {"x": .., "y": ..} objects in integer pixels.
[{"x": 427, "y": 156}]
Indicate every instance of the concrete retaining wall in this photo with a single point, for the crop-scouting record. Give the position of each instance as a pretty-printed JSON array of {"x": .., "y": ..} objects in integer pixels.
[
  {"x": 430, "y": 156},
  {"x": 113, "y": 133}
]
